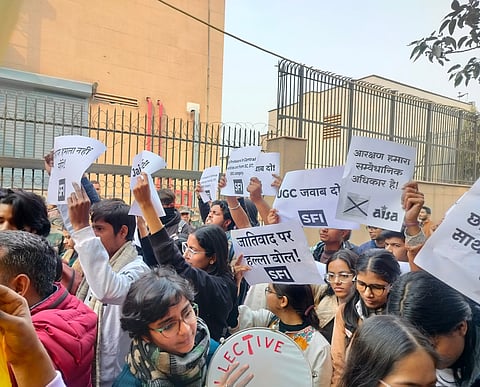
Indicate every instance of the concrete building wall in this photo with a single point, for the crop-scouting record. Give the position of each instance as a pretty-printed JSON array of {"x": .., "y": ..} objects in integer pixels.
[{"x": 134, "y": 49}]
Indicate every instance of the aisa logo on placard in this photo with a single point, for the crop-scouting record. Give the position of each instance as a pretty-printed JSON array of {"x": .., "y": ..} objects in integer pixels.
[{"x": 385, "y": 214}]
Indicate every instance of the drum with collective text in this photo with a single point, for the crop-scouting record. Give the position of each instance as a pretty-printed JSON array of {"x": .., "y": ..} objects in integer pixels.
[{"x": 273, "y": 358}]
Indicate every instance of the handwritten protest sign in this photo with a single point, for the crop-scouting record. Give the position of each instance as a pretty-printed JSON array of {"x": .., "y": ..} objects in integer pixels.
[
  {"x": 72, "y": 155},
  {"x": 452, "y": 253},
  {"x": 149, "y": 163},
  {"x": 372, "y": 182},
  {"x": 268, "y": 163},
  {"x": 272, "y": 357},
  {"x": 209, "y": 183},
  {"x": 276, "y": 253},
  {"x": 311, "y": 196},
  {"x": 240, "y": 168}
]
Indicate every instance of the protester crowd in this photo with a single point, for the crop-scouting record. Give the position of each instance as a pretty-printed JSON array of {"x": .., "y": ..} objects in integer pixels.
[{"x": 107, "y": 311}]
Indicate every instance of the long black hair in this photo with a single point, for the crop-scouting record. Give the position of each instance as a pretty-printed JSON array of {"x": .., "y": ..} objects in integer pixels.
[
  {"x": 380, "y": 262},
  {"x": 347, "y": 256},
  {"x": 438, "y": 309},
  {"x": 378, "y": 344},
  {"x": 213, "y": 239},
  {"x": 300, "y": 299}
]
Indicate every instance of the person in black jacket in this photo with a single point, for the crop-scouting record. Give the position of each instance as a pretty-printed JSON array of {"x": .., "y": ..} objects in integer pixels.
[
  {"x": 173, "y": 222},
  {"x": 204, "y": 263}
]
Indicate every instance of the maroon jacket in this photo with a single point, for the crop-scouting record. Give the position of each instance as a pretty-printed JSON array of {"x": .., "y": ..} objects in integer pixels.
[{"x": 67, "y": 328}]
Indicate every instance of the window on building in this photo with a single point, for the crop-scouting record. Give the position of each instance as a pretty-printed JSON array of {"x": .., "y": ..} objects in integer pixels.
[{"x": 332, "y": 126}]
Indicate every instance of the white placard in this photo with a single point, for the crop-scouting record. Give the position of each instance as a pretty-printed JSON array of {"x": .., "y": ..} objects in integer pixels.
[
  {"x": 240, "y": 168},
  {"x": 268, "y": 163},
  {"x": 372, "y": 182},
  {"x": 149, "y": 163},
  {"x": 310, "y": 197},
  {"x": 272, "y": 357},
  {"x": 209, "y": 183},
  {"x": 277, "y": 253},
  {"x": 452, "y": 252},
  {"x": 72, "y": 155}
]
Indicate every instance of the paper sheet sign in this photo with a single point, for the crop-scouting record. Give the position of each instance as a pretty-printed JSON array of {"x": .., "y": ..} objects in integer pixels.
[
  {"x": 310, "y": 197},
  {"x": 452, "y": 253},
  {"x": 276, "y": 253},
  {"x": 149, "y": 163},
  {"x": 72, "y": 156},
  {"x": 209, "y": 183},
  {"x": 240, "y": 168},
  {"x": 372, "y": 182},
  {"x": 268, "y": 163}
]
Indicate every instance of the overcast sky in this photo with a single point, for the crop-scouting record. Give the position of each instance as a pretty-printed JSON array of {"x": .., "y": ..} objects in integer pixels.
[{"x": 350, "y": 37}]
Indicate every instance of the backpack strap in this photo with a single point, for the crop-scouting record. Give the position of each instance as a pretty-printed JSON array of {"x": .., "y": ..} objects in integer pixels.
[{"x": 181, "y": 224}]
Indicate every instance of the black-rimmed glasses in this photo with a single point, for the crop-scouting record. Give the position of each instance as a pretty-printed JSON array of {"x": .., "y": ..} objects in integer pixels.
[
  {"x": 172, "y": 328},
  {"x": 377, "y": 290}
]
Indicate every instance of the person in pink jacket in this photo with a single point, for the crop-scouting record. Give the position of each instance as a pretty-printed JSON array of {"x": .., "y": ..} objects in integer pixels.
[{"x": 66, "y": 326}]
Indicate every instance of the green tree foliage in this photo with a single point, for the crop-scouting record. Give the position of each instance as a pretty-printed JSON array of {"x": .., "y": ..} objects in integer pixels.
[{"x": 459, "y": 32}]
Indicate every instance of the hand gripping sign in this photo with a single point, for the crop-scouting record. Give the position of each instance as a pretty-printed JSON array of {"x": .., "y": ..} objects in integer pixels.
[
  {"x": 149, "y": 163},
  {"x": 72, "y": 155},
  {"x": 273, "y": 358}
]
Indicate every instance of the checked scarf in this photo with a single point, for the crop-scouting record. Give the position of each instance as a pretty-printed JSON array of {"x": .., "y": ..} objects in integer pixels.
[{"x": 156, "y": 368}]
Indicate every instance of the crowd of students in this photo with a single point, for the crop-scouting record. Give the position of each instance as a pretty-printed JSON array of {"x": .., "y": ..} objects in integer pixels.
[{"x": 152, "y": 314}]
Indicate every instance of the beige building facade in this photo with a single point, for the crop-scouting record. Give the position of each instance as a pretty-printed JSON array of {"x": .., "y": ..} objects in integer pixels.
[
  {"x": 128, "y": 51},
  {"x": 131, "y": 73}
]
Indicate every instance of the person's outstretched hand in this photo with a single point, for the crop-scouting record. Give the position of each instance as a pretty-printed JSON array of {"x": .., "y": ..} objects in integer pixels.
[
  {"x": 141, "y": 191},
  {"x": 79, "y": 208}
]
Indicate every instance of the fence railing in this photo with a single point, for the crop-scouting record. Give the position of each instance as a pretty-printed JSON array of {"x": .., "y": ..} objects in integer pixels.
[
  {"x": 328, "y": 110},
  {"x": 27, "y": 134}
]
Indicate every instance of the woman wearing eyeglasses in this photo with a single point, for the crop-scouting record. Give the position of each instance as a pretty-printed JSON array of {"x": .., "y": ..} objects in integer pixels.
[
  {"x": 377, "y": 269},
  {"x": 169, "y": 344},
  {"x": 204, "y": 262},
  {"x": 340, "y": 278}
]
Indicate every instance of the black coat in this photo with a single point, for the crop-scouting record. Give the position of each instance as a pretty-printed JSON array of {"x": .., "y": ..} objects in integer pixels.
[{"x": 216, "y": 294}]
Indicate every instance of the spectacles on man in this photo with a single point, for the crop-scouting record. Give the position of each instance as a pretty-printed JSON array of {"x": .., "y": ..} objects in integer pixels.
[
  {"x": 188, "y": 250},
  {"x": 342, "y": 277},
  {"x": 377, "y": 290},
  {"x": 172, "y": 328}
]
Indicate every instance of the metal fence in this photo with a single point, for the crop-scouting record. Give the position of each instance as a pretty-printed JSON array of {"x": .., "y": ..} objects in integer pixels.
[
  {"x": 324, "y": 108},
  {"x": 328, "y": 110},
  {"x": 28, "y": 126}
]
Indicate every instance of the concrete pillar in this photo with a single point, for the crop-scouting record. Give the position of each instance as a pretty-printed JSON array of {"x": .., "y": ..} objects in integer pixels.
[{"x": 292, "y": 152}]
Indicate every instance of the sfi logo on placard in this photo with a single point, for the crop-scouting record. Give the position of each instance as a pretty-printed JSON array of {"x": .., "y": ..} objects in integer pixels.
[
  {"x": 61, "y": 190},
  {"x": 279, "y": 273},
  {"x": 313, "y": 218},
  {"x": 238, "y": 186}
]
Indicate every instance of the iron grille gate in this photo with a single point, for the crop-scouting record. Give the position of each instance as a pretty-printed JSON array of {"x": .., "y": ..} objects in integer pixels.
[
  {"x": 327, "y": 109},
  {"x": 29, "y": 124}
]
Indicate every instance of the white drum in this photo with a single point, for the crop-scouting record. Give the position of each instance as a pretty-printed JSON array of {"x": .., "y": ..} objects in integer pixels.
[{"x": 273, "y": 358}]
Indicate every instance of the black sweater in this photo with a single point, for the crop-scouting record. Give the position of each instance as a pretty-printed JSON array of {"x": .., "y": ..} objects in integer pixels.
[{"x": 216, "y": 294}]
